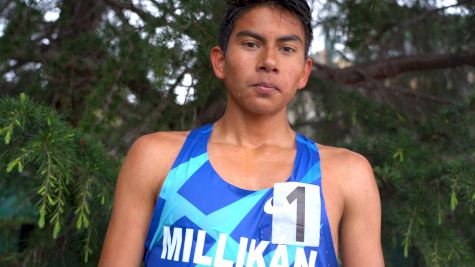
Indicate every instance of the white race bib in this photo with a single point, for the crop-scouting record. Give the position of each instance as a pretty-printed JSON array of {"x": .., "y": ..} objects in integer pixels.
[{"x": 296, "y": 214}]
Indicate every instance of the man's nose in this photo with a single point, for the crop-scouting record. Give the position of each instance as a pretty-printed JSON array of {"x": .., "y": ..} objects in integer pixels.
[{"x": 268, "y": 60}]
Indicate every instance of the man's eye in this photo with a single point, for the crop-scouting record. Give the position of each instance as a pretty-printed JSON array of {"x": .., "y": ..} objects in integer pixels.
[
  {"x": 250, "y": 45},
  {"x": 287, "y": 49}
]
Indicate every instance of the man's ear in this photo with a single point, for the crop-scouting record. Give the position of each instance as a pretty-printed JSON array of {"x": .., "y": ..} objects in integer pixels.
[
  {"x": 306, "y": 73},
  {"x": 217, "y": 61}
]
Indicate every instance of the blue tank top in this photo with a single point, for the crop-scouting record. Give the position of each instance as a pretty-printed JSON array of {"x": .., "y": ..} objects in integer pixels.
[{"x": 202, "y": 220}]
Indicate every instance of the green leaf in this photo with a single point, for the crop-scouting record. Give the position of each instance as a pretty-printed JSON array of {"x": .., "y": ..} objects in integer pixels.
[
  {"x": 399, "y": 154},
  {"x": 41, "y": 220},
  {"x": 69, "y": 135},
  {"x": 56, "y": 229},
  {"x": 51, "y": 201},
  {"x": 86, "y": 221},
  {"x": 8, "y": 136},
  {"x": 87, "y": 252},
  {"x": 453, "y": 201},
  {"x": 406, "y": 247},
  {"x": 20, "y": 167},
  {"x": 12, "y": 165},
  {"x": 41, "y": 190},
  {"x": 22, "y": 98},
  {"x": 79, "y": 222}
]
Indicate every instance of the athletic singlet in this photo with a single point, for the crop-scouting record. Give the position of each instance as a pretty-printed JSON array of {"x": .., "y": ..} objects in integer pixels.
[{"x": 202, "y": 220}]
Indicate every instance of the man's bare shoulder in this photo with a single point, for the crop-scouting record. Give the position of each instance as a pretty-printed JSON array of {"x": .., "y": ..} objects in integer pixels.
[
  {"x": 165, "y": 142},
  {"x": 341, "y": 155},
  {"x": 151, "y": 156},
  {"x": 346, "y": 166},
  {"x": 159, "y": 148}
]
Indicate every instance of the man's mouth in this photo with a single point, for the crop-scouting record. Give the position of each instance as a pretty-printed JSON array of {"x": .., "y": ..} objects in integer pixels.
[{"x": 266, "y": 87}]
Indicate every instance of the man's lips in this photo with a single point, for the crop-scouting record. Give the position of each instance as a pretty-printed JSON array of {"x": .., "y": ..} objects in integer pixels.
[{"x": 266, "y": 86}]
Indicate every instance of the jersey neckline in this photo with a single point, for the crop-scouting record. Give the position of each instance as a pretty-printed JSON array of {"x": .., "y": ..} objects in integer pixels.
[{"x": 208, "y": 131}]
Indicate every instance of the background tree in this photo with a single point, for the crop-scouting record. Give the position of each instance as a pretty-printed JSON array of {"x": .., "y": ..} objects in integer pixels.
[{"x": 82, "y": 79}]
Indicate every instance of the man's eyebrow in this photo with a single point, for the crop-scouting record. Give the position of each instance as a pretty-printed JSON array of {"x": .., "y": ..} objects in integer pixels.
[
  {"x": 255, "y": 35},
  {"x": 290, "y": 37},
  {"x": 252, "y": 34}
]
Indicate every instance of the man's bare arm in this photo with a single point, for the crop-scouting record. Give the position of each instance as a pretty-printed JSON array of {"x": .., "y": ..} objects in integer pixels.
[
  {"x": 360, "y": 229},
  {"x": 140, "y": 178}
]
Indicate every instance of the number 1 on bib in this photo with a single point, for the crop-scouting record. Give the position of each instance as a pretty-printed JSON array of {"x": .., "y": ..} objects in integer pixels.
[{"x": 296, "y": 214}]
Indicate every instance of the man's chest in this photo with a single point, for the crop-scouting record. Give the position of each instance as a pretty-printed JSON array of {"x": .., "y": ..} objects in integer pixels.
[{"x": 252, "y": 169}]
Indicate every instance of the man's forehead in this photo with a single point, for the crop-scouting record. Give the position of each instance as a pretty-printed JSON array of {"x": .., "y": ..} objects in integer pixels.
[{"x": 252, "y": 19}]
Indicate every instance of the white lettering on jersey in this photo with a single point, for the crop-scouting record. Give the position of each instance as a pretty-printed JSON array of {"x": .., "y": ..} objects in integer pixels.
[
  {"x": 268, "y": 208},
  {"x": 219, "y": 260},
  {"x": 241, "y": 252},
  {"x": 255, "y": 253},
  {"x": 199, "y": 258},
  {"x": 301, "y": 259},
  {"x": 187, "y": 245},
  {"x": 173, "y": 246},
  {"x": 280, "y": 258}
]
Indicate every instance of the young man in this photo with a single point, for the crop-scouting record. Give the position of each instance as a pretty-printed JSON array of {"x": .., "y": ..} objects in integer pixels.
[{"x": 247, "y": 190}]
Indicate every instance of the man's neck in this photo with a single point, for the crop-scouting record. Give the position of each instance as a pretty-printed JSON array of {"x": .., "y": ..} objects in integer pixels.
[{"x": 254, "y": 131}]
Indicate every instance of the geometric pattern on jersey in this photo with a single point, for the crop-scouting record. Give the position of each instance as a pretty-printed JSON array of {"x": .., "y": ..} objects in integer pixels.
[{"x": 202, "y": 220}]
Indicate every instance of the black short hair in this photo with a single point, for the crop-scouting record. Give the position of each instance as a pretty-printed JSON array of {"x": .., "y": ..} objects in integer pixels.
[{"x": 236, "y": 8}]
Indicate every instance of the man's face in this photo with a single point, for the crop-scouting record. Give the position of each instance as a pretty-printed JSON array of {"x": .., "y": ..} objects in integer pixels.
[{"x": 264, "y": 64}]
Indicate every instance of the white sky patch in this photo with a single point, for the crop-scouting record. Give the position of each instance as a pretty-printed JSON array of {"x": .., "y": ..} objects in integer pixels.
[
  {"x": 340, "y": 46},
  {"x": 200, "y": 15},
  {"x": 45, "y": 41},
  {"x": 10, "y": 76},
  {"x": 457, "y": 10},
  {"x": 169, "y": 18},
  {"x": 52, "y": 15},
  {"x": 3, "y": 26},
  {"x": 185, "y": 92},
  {"x": 32, "y": 66},
  {"x": 132, "y": 98},
  {"x": 112, "y": 18},
  {"x": 159, "y": 30},
  {"x": 170, "y": 43},
  {"x": 149, "y": 6},
  {"x": 188, "y": 43},
  {"x": 134, "y": 19},
  {"x": 151, "y": 76},
  {"x": 318, "y": 43},
  {"x": 144, "y": 35}
]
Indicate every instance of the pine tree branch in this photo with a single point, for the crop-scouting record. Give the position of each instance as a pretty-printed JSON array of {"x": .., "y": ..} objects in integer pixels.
[
  {"x": 128, "y": 5},
  {"x": 375, "y": 85},
  {"x": 391, "y": 67}
]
